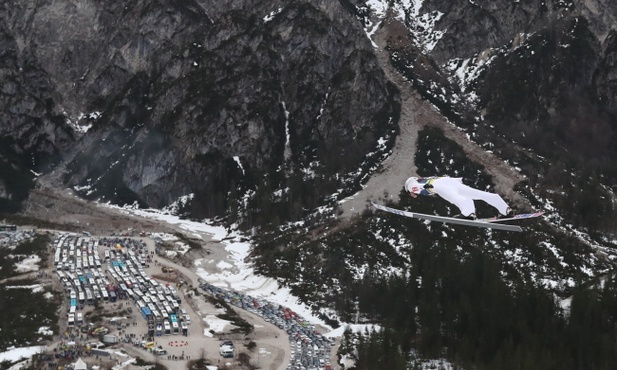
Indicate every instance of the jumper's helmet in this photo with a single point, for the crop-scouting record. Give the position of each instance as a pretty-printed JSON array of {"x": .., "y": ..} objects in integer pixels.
[{"x": 412, "y": 185}]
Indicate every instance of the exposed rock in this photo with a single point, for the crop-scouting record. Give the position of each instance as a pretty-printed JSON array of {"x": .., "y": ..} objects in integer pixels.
[{"x": 170, "y": 99}]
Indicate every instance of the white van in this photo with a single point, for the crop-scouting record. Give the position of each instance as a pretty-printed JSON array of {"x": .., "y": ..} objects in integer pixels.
[
  {"x": 159, "y": 351},
  {"x": 226, "y": 351}
]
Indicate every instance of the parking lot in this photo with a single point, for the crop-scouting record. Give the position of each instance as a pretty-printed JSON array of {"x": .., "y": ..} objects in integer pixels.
[
  {"x": 9, "y": 235},
  {"x": 117, "y": 275},
  {"x": 309, "y": 349},
  {"x": 80, "y": 269}
]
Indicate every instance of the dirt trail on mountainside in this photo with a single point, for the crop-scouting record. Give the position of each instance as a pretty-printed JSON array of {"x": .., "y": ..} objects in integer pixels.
[{"x": 417, "y": 113}]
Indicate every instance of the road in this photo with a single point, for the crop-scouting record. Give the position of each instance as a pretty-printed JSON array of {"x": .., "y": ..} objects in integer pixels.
[
  {"x": 269, "y": 338},
  {"x": 272, "y": 344}
]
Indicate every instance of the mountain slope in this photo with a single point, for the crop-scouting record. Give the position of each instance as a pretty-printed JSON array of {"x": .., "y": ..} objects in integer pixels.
[
  {"x": 33, "y": 134},
  {"x": 239, "y": 98},
  {"x": 268, "y": 114},
  {"x": 169, "y": 99}
]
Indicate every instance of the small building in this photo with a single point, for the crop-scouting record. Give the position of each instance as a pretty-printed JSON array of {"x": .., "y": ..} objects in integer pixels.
[{"x": 80, "y": 365}]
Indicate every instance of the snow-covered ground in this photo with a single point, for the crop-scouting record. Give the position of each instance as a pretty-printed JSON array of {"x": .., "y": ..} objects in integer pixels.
[
  {"x": 235, "y": 273},
  {"x": 18, "y": 354},
  {"x": 215, "y": 325}
]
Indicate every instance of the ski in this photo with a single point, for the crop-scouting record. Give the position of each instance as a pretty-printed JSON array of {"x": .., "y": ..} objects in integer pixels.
[
  {"x": 522, "y": 216},
  {"x": 450, "y": 220}
]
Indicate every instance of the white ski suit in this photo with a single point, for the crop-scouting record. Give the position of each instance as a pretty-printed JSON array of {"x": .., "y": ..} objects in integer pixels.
[{"x": 454, "y": 191}]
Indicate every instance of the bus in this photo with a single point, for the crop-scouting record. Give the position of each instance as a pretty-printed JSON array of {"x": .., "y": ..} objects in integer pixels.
[
  {"x": 167, "y": 327},
  {"x": 174, "y": 323},
  {"x": 97, "y": 294},
  {"x": 8, "y": 227},
  {"x": 146, "y": 314},
  {"x": 89, "y": 296},
  {"x": 80, "y": 318},
  {"x": 156, "y": 314}
]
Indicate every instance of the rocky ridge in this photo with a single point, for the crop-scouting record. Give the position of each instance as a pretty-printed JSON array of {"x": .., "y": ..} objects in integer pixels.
[{"x": 160, "y": 100}]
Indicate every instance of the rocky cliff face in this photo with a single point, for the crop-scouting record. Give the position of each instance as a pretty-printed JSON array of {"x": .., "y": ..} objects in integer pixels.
[
  {"x": 171, "y": 98},
  {"x": 33, "y": 130}
]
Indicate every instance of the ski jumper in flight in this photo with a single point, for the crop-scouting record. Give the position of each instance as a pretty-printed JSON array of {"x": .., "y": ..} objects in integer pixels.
[{"x": 454, "y": 191}]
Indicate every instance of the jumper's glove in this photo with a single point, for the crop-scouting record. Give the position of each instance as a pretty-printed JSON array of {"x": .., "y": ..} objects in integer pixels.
[{"x": 428, "y": 186}]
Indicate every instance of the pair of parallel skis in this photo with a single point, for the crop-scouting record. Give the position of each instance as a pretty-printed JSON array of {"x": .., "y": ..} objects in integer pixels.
[{"x": 491, "y": 223}]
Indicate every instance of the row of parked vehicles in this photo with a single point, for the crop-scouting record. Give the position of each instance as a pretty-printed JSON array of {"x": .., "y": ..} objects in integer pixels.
[
  {"x": 310, "y": 350},
  {"x": 124, "y": 278}
]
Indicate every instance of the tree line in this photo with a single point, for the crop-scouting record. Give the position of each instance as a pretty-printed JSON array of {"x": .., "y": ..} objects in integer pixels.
[{"x": 464, "y": 311}]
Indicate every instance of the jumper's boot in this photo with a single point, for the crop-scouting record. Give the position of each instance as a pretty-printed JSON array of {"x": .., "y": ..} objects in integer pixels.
[
  {"x": 509, "y": 213},
  {"x": 472, "y": 216}
]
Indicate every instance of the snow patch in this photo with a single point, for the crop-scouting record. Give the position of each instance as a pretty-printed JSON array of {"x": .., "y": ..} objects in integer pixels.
[
  {"x": 175, "y": 207},
  {"x": 237, "y": 159},
  {"x": 13, "y": 354},
  {"x": 28, "y": 264},
  {"x": 272, "y": 14},
  {"x": 214, "y": 324}
]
